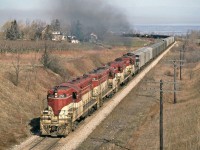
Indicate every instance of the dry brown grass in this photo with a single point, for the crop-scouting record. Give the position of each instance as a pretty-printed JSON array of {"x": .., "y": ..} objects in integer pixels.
[
  {"x": 28, "y": 46},
  {"x": 181, "y": 121}
]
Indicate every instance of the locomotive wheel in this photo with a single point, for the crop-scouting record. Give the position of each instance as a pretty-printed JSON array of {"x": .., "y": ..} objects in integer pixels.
[
  {"x": 96, "y": 107},
  {"x": 91, "y": 111}
]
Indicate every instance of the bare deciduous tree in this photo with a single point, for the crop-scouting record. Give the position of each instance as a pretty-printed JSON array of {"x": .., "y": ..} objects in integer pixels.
[{"x": 17, "y": 67}]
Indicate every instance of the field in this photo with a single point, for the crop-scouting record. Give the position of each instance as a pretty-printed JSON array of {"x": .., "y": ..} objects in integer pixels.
[
  {"x": 134, "y": 123},
  {"x": 22, "y": 100},
  {"x": 109, "y": 43}
]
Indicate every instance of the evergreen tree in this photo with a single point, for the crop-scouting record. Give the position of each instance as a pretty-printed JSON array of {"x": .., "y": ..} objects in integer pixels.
[
  {"x": 77, "y": 30},
  {"x": 55, "y": 24},
  {"x": 12, "y": 33}
]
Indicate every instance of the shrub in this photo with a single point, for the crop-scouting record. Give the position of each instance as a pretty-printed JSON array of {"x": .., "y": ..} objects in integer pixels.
[{"x": 169, "y": 73}]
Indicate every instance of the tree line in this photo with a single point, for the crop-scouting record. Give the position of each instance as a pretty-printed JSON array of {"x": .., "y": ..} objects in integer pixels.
[
  {"x": 40, "y": 30},
  {"x": 35, "y": 30}
]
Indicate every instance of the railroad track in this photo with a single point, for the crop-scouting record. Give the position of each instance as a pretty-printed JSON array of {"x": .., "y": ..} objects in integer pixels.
[
  {"x": 44, "y": 143},
  {"x": 37, "y": 143}
]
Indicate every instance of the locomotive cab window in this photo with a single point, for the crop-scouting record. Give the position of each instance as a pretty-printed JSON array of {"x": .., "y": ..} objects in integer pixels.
[
  {"x": 74, "y": 95},
  {"x": 111, "y": 74},
  {"x": 120, "y": 68}
]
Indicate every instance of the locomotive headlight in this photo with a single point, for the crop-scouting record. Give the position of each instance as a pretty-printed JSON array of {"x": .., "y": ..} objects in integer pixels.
[{"x": 56, "y": 95}]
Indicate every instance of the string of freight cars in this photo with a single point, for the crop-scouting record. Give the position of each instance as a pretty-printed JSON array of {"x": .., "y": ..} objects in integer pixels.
[{"x": 70, "y": 102}]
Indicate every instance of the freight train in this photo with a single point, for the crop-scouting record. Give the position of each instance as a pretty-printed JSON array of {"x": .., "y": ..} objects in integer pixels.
[{"x": 70, "y": 102}]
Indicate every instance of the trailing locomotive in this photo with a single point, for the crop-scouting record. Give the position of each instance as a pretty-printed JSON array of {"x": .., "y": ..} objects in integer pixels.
[{"x": 71, "y": 101}]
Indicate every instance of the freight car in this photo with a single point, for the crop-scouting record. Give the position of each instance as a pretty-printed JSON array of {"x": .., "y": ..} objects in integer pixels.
[{"x": 69, "y": 102}]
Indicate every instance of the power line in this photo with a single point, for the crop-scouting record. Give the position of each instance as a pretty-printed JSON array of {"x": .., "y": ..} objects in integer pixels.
[{"x": 175, "y": 66}]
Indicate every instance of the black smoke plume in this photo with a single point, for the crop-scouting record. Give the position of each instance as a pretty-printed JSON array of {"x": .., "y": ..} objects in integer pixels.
[{"x": 91, "y": 16}]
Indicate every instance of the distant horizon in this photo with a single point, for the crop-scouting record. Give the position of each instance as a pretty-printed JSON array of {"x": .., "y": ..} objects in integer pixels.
[
  {"x": 48, "y": 21},
  {"x": 171, "y": 29},
  {"x": 171, "y": 24}
]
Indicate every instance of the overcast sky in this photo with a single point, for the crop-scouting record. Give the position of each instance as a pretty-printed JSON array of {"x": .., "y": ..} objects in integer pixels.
[{"x": 137, "y": 11}]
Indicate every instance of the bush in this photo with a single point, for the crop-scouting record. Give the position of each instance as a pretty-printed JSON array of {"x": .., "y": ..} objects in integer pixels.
[
  {"x": 53, "y": 63},
  {"x": 56, "y": 66},
  {"x": 169, "y": 73},
  {"x": 193, "y": 57}
]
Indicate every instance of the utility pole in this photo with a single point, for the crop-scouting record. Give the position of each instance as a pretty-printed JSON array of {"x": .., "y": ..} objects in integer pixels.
[
  {"x": 162, "y": 91},
  {"x": 175, "y": 67},
  {"x": 175, "y": 82},
  {"x": 161, "y": 115},
  {"x": 180, "y": 65},
  {"x": 184, "y": 45}
]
